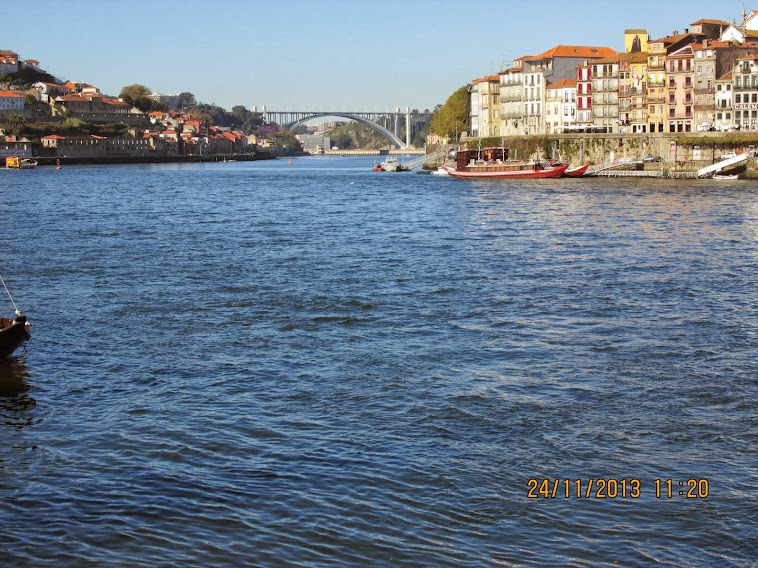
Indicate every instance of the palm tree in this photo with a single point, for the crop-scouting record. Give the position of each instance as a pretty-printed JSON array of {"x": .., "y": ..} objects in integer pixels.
[{"x": 15, "y": 124}]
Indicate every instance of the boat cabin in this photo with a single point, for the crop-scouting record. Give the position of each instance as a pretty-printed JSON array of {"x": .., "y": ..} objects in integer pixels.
[{"x": 490, "y": 155}]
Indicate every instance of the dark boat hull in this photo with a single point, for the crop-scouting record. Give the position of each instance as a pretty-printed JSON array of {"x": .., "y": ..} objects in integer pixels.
[{"x": 13, "y": 334}]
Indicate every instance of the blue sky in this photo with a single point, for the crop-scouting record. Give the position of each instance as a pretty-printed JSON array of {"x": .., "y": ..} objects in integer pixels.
[{"x": 321, "y": 55}]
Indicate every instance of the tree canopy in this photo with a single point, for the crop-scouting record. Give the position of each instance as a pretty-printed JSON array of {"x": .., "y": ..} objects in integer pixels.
[
  {"x": 451, "y": 119},
  {"x": 239, "y": 118},
  {"x": 15, "y": 124},
  {"x": 137, "y": 95}
]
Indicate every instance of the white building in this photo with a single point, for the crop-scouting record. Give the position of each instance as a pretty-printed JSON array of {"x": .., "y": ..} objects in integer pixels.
[
  {"x": 724, "y": 101},
  {"x": 512, "y": 100},
  {"x": 560, "y": 106}
]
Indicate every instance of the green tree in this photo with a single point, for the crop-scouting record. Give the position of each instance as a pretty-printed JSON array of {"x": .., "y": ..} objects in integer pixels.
[
  {"x": 145, "y": 104},
  {"x": 286, "y": 139},
  {"x": 132, "y": 93},
  {"x": 451, "y": 119},
  {"x": 15, "y": 124},
  {"x": 186, "y": 100}
]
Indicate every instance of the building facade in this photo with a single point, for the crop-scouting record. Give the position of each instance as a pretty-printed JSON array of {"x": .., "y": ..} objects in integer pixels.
[
  {"x": 724, "y": 118},
  {"x": 633, "y": 79},
  {"x": 560, "y": 106},
  {"x": 680, "y": 90},
  {"x": 512, "y": 100},
  {"x": 584, "y": 96},
  {"x": 11, "y": 102},
  {"x": 745, "y": 93},
  {"x": 547, "y": 68},
  {"x": 605, "y": 94}
]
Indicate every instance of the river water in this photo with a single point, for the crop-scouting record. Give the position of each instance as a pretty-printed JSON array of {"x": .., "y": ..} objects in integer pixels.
[{"x": 312, "y": 364}]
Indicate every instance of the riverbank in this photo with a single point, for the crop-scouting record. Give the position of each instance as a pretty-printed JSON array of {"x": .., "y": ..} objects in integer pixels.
[
  {"x": 669, "y": 153},
  {"x": 81, "y": 160}
]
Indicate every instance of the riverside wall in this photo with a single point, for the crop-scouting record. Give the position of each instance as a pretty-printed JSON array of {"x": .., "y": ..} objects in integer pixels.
[{"x": 699, "y": 149}]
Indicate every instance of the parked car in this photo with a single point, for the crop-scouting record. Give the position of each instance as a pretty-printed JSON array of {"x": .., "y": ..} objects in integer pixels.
[
  {"x": 652, "y": 159},
  {"x": 728, "y": 155}
]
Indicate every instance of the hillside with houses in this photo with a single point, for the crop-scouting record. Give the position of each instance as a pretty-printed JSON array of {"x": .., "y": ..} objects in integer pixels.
[{"x": 47, "y": 117}]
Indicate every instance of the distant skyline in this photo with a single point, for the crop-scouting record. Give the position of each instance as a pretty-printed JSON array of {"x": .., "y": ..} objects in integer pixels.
[{"x": 326, "y": 55}]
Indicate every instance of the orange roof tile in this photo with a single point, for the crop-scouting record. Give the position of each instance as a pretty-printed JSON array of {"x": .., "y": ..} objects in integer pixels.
[
  {"x": 564, "y": 84},
  {"x": 489, "y": 78},
  {"x": 717, "y": 22},
  {"x": 584, "y": 51}
]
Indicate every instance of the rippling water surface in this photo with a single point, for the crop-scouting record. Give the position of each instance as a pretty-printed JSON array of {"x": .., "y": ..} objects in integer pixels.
[{"x": 264, "y": 364}]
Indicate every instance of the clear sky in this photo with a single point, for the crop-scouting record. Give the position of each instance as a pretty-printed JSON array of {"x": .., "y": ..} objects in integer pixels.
[{"x": 320, "y": 55}]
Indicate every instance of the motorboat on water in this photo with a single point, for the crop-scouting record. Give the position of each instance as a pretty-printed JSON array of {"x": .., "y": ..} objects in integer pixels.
[
  {"x": 493, "y": 163},
  {"x": 16, "y": 163},
  {"x": 391, "y": 164}
]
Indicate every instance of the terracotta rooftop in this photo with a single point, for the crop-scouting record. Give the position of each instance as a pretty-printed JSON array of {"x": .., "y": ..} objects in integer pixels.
[
  {"x": 564, "y": 84},
  {"x": 575, "y": 51}
]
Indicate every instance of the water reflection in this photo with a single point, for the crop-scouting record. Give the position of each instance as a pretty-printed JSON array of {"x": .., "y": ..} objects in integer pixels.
[{"x": 15, "y": 402}]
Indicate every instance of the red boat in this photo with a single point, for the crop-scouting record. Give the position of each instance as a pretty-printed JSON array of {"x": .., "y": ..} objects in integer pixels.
[
  {"x": 493, "y": 163},
  {"x": 576, "y": 172}
]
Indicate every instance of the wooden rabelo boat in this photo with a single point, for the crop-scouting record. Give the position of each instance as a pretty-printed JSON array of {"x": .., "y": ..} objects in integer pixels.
[{"x": 493, "y": 163}]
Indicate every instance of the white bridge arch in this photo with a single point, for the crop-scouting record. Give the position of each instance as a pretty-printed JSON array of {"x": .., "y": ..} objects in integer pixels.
[{"x": 371, "y": 124}]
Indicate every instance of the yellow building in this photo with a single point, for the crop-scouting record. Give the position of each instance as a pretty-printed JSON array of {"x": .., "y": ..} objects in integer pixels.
[
  {"x": 636, "y": 41},
  {"x": 656, "y": 85}
]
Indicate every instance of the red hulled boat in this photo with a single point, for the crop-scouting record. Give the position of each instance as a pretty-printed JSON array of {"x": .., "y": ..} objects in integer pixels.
[
  {"x": 493, "y": 163},
  {"x": 576, "y": 172}
]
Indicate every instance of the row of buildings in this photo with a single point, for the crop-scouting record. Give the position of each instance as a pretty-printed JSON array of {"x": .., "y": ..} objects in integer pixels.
[
  {"x": 157, "y": 134},
  {"x": 171, "y": 134},
  {"x": 705, "y": 78}
]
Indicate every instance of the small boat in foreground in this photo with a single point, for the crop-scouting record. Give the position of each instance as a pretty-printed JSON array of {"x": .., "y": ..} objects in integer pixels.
[
  {"x": 13, "y": 332},
  {"x": 493, "y": 163},
  {"x": 576, "y": 172},
  {"x": 16, "y": 163}
]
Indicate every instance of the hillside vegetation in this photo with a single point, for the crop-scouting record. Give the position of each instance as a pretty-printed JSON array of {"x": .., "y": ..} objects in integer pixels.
[{"x": 356, "y": 136}]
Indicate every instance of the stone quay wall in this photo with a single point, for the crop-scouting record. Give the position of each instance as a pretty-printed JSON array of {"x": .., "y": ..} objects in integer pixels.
[{"x": 691, "y": 150}]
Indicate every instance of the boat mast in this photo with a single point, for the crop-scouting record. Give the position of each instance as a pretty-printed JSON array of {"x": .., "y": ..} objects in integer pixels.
[{"x": 18, "y": 313}]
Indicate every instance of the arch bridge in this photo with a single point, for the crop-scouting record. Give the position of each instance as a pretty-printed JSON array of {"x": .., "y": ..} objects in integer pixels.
[{"x": 381, "y": 122}]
